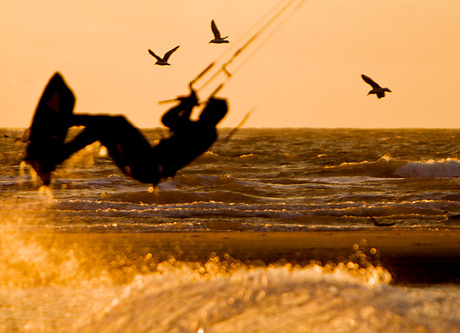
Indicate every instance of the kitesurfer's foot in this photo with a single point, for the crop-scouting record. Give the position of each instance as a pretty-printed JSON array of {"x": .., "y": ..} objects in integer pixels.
[
  {"x": 43, "y": 169},
  {"x": 44, "y": 162}
]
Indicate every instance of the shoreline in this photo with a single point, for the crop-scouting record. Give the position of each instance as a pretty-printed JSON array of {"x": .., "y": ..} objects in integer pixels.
[{"x": 412, "y": 257}]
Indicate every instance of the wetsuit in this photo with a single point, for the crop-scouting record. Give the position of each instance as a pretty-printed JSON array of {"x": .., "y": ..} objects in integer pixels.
[{"x": 131, "y": 151}]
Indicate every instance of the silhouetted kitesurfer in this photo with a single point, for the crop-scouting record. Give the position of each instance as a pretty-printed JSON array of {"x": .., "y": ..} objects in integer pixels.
[{"x": 125, "y": 144}]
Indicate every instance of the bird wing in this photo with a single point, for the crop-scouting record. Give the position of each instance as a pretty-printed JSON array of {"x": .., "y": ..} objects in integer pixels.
[
  {"x": 154, "y": 55},
  {"x": 367, "y": 79},
  {"x": 168, "y": 54},
  {"x": 214, "y": 29}
]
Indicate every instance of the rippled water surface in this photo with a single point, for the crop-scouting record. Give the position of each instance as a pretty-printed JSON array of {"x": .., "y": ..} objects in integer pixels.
[{"x": 262, "y": 180}]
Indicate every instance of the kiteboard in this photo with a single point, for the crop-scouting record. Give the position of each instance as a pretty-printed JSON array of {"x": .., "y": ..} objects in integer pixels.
[{"x": 49, "y": 126}]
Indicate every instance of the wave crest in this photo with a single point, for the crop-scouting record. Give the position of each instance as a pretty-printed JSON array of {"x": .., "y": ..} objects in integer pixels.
[{"x": 389, "y": 167}]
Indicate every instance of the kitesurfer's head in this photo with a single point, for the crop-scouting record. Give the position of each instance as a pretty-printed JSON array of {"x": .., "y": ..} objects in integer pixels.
[{"x": 214, "y": 112}]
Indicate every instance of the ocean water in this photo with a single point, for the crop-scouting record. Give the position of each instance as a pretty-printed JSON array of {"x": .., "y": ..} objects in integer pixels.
[{"x": 262, "y": 180}]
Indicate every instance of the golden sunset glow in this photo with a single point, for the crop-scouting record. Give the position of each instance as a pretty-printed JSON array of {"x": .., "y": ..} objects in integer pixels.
[{"x": 306, "y": 74}]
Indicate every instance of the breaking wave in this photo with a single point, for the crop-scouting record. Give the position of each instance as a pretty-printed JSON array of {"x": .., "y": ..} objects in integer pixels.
[
  {"x": 390, "y": 167},
  {"x": 273, "y": 299}
]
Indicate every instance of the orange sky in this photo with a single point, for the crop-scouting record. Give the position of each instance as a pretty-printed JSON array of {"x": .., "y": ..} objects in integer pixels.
[{"x": 306, "y": 75}]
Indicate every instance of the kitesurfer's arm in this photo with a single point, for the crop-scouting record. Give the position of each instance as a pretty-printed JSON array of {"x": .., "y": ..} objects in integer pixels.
[{"x": 180, "y": 113}]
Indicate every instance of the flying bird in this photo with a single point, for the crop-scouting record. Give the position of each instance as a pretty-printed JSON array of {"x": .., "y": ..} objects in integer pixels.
[
  {"x": 376, "y": 89},
  {"x": 163, "y": 61},
  {"x": 217, "y": 38}
]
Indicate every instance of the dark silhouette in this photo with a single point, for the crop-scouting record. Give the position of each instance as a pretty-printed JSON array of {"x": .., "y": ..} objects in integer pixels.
[
  {"x": 451, "y": 216},
  {"x": 23, "y": 138},
  {"x": 381, "y": 224},
  {"x": 163, "y": 61},
  {"x": 376, "y": 89},
  {"x": 49, "y": 127},
  {"x": 217, "y": 38},
  {"x": 126, "y": 145}
]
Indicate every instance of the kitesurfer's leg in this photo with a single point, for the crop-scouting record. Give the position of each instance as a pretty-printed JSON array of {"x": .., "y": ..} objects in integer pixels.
[
  {"x": 49, "y": 127},
  {"x": 113, "y": 132},
  {"x": 125, "y": 144}
]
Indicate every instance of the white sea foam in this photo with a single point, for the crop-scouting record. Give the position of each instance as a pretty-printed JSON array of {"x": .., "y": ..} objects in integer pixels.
[
  {"x": 431, "y": 168},
  {"x": 389, "y": 167},
  {"x": 278, "y": 299}
]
